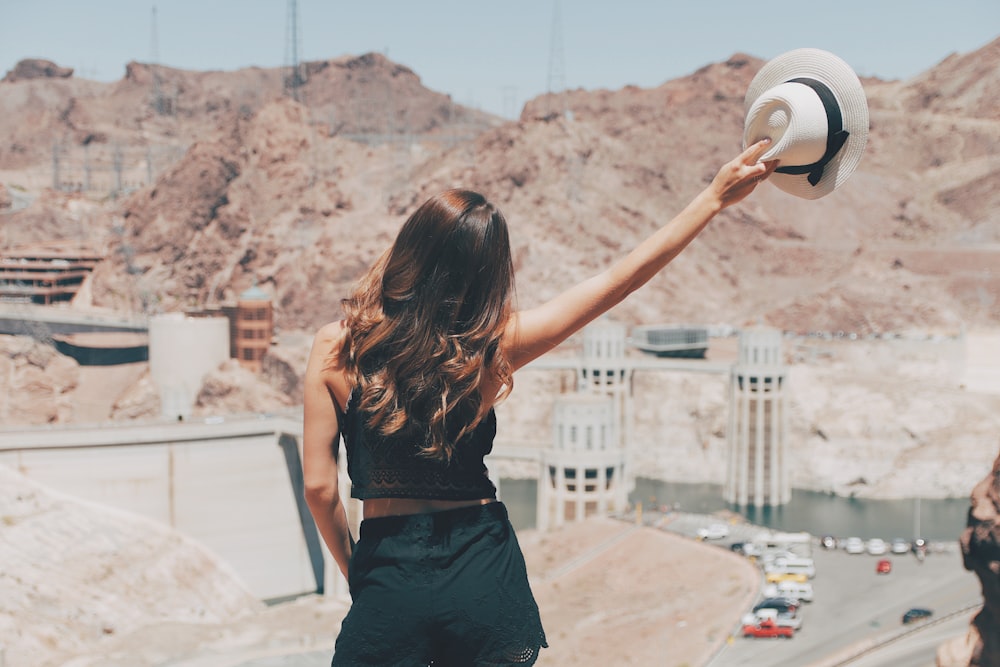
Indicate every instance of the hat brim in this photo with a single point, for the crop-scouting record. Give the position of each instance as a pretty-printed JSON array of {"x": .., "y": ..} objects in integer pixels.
[{"x": 838, "y": 76}]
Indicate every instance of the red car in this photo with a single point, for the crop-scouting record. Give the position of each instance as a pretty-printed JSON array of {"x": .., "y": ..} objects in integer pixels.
[
  {"x": 768, "y": 628},
  {"x": 884, "y": 566}
]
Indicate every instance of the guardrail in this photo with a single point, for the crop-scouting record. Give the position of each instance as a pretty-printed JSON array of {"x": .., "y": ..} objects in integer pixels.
[{"x": 875, "y": 644}]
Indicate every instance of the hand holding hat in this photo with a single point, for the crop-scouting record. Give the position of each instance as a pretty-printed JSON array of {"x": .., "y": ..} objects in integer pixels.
[{"x": 812, "y": 106}]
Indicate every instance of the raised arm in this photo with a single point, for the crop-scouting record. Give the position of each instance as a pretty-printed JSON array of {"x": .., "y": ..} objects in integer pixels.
[
  {"x": 320, "y": 446},
  {"x": 533, "y": 332}
]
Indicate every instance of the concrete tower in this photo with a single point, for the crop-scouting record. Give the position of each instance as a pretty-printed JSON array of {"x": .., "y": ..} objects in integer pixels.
[
  {"x": 604, "y": 370},
  {"x": 583, "y": 473},
  {"x": 757, "y": 436}
]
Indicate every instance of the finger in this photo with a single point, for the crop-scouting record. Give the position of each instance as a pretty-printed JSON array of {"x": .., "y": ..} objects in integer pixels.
[
  {"x": 762, "y": 170},
  {"x": 754, "y": 152}
]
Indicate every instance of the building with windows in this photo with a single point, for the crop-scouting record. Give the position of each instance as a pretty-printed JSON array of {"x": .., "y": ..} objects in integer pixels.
[
  {"x": 45, "y": 273},
  {"x": 252, "y": 328}
]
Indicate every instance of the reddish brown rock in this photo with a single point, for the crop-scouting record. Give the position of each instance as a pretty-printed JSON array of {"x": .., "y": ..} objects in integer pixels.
[{"x": 37, "y": 68}]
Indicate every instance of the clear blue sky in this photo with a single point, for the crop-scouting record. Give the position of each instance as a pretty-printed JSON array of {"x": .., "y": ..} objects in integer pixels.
[{"x": 496, "y": 54}]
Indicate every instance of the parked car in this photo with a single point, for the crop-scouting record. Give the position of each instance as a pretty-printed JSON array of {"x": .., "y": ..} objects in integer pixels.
[
  {"x": 715, "y": 531},
  {"x": 768, "y": 628},
  {"x": 793, "y": 621},
  {"x": 828, "y": 542},
  {"x": 854, "y": 545},
  {"x": 748, "y": 549},
  {"x": 797, "y": 565},
  {"x": 876, "y": 546},
  {"x": 899, "y": 546},
  {"x": 776, "y": 576},
  {"x": 789, "y": 619},
  {"x": 789, "y": 589},
  {"x": 781, "y": 605},
  {"x": 884, "y": 566},
  {"x": 916, "y": 614},
  {"x": 771, "y": 555}
]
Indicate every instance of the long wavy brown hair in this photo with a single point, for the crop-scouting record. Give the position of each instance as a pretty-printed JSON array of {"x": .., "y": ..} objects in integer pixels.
[{"x": 425, "y": 323}]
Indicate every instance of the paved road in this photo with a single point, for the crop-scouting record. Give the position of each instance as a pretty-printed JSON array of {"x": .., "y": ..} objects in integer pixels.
[
  {"x": 917, "y": 649},
  {"x": 855, "y": 608}
]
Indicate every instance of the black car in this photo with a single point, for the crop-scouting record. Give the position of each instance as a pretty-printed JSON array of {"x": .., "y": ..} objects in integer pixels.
[
  {"x": 780, "y": 605},
  {"x": 916, "y": 614}
]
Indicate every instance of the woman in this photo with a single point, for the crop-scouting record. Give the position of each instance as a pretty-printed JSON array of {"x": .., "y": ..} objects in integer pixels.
[{"x": 410, "y": 377}]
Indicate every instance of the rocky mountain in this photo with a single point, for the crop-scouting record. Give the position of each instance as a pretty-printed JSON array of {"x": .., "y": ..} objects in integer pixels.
[
  {"x": 196, "y": 185},
  {"x": 298, "y": 198},
  {"x": 143, "y": 123},
  {"x": 266, "y": 192}
]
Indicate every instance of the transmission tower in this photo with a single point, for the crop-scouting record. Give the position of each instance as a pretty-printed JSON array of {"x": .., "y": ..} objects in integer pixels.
[
  {"x": 161, "y": 105},
  {"x": 557, "y": 65},
  {"x": 296, "y": 76}
]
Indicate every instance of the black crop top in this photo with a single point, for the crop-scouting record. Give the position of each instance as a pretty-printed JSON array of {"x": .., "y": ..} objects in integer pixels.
[{"x": 392, "y": 467}]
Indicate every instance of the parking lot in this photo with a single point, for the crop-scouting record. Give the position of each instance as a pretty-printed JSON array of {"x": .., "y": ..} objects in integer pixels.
[{"x": 854, "y": 607}]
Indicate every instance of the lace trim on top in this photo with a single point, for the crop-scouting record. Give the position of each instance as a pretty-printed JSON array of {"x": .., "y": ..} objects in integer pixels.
[{"x": 392, "y": 467}]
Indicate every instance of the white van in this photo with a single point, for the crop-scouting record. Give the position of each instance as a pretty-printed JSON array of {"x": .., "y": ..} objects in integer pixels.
[
  {"x": 790, "y": 589},
  {"x": 796, "y": 566}
]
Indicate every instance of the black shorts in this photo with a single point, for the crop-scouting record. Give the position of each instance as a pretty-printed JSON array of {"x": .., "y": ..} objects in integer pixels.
[{"x": 445, "y": 589}]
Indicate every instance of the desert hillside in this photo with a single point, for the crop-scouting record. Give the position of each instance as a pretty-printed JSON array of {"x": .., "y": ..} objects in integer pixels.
[
  {"x": 283, "y": 192},
  {"x": 223, "y": 182}
]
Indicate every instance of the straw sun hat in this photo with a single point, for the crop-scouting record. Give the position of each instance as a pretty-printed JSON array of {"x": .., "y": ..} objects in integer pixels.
[{"x": 812, "y": 106}]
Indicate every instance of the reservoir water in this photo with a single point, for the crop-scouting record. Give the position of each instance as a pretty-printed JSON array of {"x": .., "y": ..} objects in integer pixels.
[{"x": 813, "y": 512}]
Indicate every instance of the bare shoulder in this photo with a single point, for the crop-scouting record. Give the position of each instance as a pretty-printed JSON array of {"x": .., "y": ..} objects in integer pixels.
[
  {"x": 325, "y": 365},
  {"x": 330, "y": 335},
  {"x": 328, "y": 341}
]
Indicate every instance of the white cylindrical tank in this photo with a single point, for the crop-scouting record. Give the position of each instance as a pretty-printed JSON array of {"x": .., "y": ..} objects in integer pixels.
[{"x": 182, "y": 350}]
